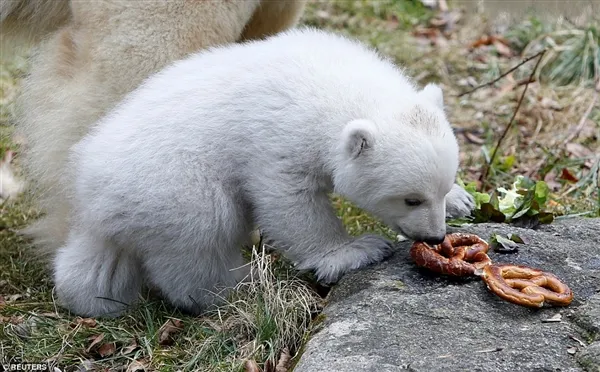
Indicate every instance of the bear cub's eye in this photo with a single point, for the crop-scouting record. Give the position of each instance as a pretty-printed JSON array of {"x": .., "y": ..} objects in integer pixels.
[{"x": 412, "y": 202}]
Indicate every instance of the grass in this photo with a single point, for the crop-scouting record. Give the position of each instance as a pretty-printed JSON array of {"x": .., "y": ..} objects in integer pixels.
[{"x": 274, "y": 311}]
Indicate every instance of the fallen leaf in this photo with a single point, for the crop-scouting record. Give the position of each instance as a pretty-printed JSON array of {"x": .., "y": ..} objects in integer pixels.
[
  {"x": 550, "y": 104},
  {"x": 251, "y": 366},
  {"x": 13, "y": 298},
  {"x": 502, "y": 49},
  {"x": 469, "y": 81},
  {"x": 392, "y": 22},
  {"x": 473, "y": 138},
  {"x": 484, "y": 40},
  {"x": 427, "y": 32},
  {"x": 578, "y": 150},
  {"x": 517, "y": 239},
  {"x": 2, "y": 302},
  {"x": 283, "y": 364},
  {"x": 129, "y": 348},
  {"x": 168, "y": 330},
  {"x": 107, "y": 349},
  {"x": 269, "y": 366},
  {"x": 137, "y": 365},
  {"x": 501, "y": 244},
  {"x": 443, "y": 5},
  {"x": 508, "y": 86},
  {"x": 86, "y": 322},
  {"x": 86, "y": 365},
  {"x": 50, "y": 315},
  {"x": 96, "y": 339},
  {"x": 322, "y": 14},
  {"x": 438, "y": 22},
  {"x": 553, "y": 184},
  {"x": 566, "y": 175},
  {"x": 489, "y": 40}
]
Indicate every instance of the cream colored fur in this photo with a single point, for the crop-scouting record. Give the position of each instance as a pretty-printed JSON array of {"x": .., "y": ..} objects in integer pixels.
[{"x": 101, "y": 50}]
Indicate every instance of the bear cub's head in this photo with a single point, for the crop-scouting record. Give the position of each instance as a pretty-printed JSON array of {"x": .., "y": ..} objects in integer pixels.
[{"x": 400, "y": 165}]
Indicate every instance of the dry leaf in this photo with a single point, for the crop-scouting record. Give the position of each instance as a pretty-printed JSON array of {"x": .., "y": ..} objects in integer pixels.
[
  {"x": 13, "y": 298},
  {"x": 2, "y": 302},
  {"x": 137, "y": 365},
  {"x": 553, "y": 184},
  {"x": 86, "y": 365},
  {"x": 550, "y": 104},
  {"x": 473, "y": 138},
  {"x": 508, "y": 86},
  {"x": 578, "y": 150},
  {"x": 284, "y": 361},
  {"x": 166, "y": 332},
  {"x": 95, "y": 341},
  {"x": 251, "y": 366},
  {"x": 502, "y": 49},
  {"x": 50, "y": 315},
  {"x": 443, "y": 5},
  {"x": 323, "y": 14},
  {"x": 86, "y": 322},
  {"x": 489, "y": 40},
  {"x": 484, "y": 40},
  {"x": 568, "y": 176},
  {"x": 129, "y": 348},
  {"x": 269, "y": 366},
  {"x": 107, "y": 349}
]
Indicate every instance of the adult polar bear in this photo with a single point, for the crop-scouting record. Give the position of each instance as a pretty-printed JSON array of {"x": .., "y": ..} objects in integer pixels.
[
  {"x": 169, "y": 184},
  {"x": 96, "y": 53}
]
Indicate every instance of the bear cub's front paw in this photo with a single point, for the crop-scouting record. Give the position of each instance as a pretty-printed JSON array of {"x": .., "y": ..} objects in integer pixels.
[
  {"x": 459, "y": 203},
  {"x": 358, "y": 253}
]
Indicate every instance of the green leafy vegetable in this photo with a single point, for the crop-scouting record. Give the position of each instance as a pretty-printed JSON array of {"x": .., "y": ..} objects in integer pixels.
[{"x": 522, "y": 205}]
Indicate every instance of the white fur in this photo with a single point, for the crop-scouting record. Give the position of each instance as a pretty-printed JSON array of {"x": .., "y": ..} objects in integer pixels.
[
  {"x": 97, "y": 52},
  {"x": 170, "y": 183}
]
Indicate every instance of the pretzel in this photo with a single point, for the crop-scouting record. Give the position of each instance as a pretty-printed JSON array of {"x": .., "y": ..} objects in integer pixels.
[
  {"x": 526, "y": 286},
  {"x": 459, "y": 255}
]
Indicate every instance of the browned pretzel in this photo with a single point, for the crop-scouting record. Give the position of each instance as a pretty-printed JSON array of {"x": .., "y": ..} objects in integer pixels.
[
  {"x": 466, "y": 254},
  {"x": 459, "y": 255},
  {"x": 526, "y": 286}
]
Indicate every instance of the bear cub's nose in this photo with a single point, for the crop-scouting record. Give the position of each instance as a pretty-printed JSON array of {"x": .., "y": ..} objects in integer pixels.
[{"x": 434, "y": 240}]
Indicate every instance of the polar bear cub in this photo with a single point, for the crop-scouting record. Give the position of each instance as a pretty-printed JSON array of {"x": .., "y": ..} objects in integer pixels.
[{"x": 245, "y": 135}]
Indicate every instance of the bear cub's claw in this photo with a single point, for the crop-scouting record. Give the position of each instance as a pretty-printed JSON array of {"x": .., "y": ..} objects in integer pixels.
[
  {"x": 459, "y": 203},
  {"x": 358, "y": 253}
]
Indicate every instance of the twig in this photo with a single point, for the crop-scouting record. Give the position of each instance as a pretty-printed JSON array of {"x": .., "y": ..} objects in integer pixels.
[
  {"x": 582, "y": 121},
  {"x": 506, "y": 73},
  {"x": 484, "y": 175}
]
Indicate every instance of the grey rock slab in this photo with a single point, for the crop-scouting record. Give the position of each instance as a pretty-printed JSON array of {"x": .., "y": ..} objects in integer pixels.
[
  {"x": 589, "y": 358},
  {"x": 395, "y": 316}
]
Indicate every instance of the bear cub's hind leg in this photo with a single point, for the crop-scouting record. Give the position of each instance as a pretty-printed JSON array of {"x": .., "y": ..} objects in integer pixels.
[{"x": 94, "y": 278}]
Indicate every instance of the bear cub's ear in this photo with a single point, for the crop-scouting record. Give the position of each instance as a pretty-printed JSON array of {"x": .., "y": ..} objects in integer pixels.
[
  {"x": 358, "y": 137},
  {"x": 433, "y": 93}
]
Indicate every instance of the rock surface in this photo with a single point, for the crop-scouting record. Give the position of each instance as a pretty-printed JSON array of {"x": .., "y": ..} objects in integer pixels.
[{"x": 395, "y": 316}]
